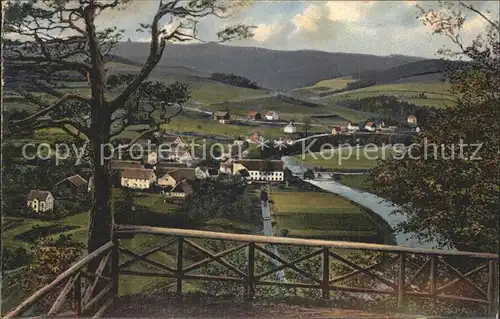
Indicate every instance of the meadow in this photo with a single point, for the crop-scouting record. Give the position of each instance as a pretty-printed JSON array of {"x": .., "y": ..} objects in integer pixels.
[
  {"x": 316, "y": 214},
  {"x": 435, "y": 94}
]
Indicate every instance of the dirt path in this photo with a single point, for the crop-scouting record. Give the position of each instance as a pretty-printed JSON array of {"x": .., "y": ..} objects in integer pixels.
[{"x": 155, "y": 307}]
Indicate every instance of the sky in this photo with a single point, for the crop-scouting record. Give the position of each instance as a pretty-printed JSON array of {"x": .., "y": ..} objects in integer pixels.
[{"x": 370, "y": 27}]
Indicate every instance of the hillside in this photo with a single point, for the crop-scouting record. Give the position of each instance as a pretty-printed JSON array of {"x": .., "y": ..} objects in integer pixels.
[{"x": 273, "y": 69}]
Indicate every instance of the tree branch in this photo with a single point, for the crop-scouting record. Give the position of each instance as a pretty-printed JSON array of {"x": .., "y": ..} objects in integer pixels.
[
  {"x": 471, "y": 8},
  {"x": 156, "y": 128}
]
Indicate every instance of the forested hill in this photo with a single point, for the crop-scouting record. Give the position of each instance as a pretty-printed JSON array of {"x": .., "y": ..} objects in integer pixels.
[{"x": 273, "y": 69}]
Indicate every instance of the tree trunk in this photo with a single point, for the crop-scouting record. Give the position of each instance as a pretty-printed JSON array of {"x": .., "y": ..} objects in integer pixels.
[{"x": 101, "y": 218}]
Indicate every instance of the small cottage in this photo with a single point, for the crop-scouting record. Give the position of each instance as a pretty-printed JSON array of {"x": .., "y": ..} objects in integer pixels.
[
  {"x": 222, "y": 117},
  {"x": 74, "y": 184},
  {"x": 254, "y": 115},
  {"x": 370, "y": 126},
  {"x": 40, "y": 201},
  {"x": 412, "y": 119},
  {"x": 272, "y": 116},
  {"x": 290, "y": 128}
]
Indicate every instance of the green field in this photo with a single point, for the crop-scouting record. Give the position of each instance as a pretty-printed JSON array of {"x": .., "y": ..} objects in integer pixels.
[
  {"x": 319, "y": 215},
  {"x": 345, "y": 159},
  {"x": 436, "y": 93},
  {"x": 320, "y": 87}
]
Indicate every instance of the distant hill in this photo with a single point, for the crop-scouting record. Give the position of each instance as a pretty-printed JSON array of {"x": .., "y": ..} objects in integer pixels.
[
  {"x": 426, "y": 70},
  {"x": 272, "y": 69}
]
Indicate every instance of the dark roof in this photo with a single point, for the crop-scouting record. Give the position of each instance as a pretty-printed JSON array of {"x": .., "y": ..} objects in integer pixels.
[
  {"x": 262, "y": 165},
  {"x": 182, "y": 174},
  {"x": 253, "y": 113},
  {"x": 137, "y": 173},
  {"x": 76, "y": 180},
  {"x": 184, "y": 187},
  {"x": 213, "y": 171},
  {"x": 37, "y": 194},
  {"x": 117, "y": 164},
  {"x": 221, "y": 113}
]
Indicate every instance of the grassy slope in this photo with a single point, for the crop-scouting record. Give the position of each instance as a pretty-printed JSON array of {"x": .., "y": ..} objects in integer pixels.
[
  {"x": 321, "y": 86},
  {"x": 436, "y": 93}
]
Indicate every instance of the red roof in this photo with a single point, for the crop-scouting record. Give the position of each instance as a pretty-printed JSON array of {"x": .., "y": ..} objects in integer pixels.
[{"x": 369, "y": 124}]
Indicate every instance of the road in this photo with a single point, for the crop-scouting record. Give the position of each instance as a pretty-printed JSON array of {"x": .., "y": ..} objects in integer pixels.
[
  {"x": 378, "y": 205},
  {"x": 268, "y": 231}
]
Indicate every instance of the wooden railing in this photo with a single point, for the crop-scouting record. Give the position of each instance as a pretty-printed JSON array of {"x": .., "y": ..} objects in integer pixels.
[
  {"x": 404, "y": 273},
  {"x": 80, "y": 293}
]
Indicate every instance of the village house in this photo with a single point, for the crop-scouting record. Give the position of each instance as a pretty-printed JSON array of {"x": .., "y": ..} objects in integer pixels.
[
  {"x": 74, "y": 184},
  {"x": 412, "y": 119},
  {"x": 40, "y": 201},
  {"x": 222, "y": 116},
  {"x": 254, "y": 115},
  {"x": 180, "y": 190},
  {"x": 370, "y": 126},
  {"x": 177, "y": 154},
  {"x": 121, "y": 165},
  {"x": 151, "y": 158},
  {"x": 353, "y": 127},
  {"x": 379, "y": 123},
  {"x": 232, "y": 152},
  {"x": 261, "y": 170},
  {"x": 137, "y": 178},
  {"x": 173, "y": 140},
  {"x": 290, "y": 128},
  {"x": 171, "y": 178},
  {"x": 272, "y": 116}
]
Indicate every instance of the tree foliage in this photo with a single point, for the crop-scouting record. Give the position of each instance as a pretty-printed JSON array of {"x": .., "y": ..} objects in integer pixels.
[
  {"x": 52, "y": 41},
  {"x": 234, "y": 80},
  {"x": 453, "y": 198}
]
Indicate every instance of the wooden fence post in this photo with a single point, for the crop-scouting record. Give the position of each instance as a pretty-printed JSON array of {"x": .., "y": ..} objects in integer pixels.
[
  {"x": 325, "y": 285},
  {"x": 491, "y": 288},
  {"x": 78, "y": 295},
  {"x": 433, "y": 280},
  {"x": 251, "y": 270},
  {"x": 401, "y": 281},
  {"x": 115, "y": 263},
  {"x": 180, "y": 257}
]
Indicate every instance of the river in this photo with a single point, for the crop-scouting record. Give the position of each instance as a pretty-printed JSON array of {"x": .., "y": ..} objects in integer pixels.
[{"x": 378, "y": 205}]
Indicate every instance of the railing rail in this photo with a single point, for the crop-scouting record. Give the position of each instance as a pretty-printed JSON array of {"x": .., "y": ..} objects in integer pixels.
[
  {"x": 402, "y": 286},
  {"x": 128, "y": 229},
  {"x": 73, "y": 278},
  {"x": 403, "y": 273}
]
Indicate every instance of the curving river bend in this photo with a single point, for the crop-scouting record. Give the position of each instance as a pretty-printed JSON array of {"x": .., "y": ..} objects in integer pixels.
[{"x": 378, "y": 205}]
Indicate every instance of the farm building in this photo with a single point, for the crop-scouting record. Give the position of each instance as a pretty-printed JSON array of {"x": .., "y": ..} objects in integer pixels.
[
  {"x": 261, "y": 170},
  {"x": 222, "y": 116},
  {"x": 137, "y": 178},
  {"x": 254, "y": 115},
  {"x": 272, "y": 116},
  {"x": 73, "y": 184}
]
